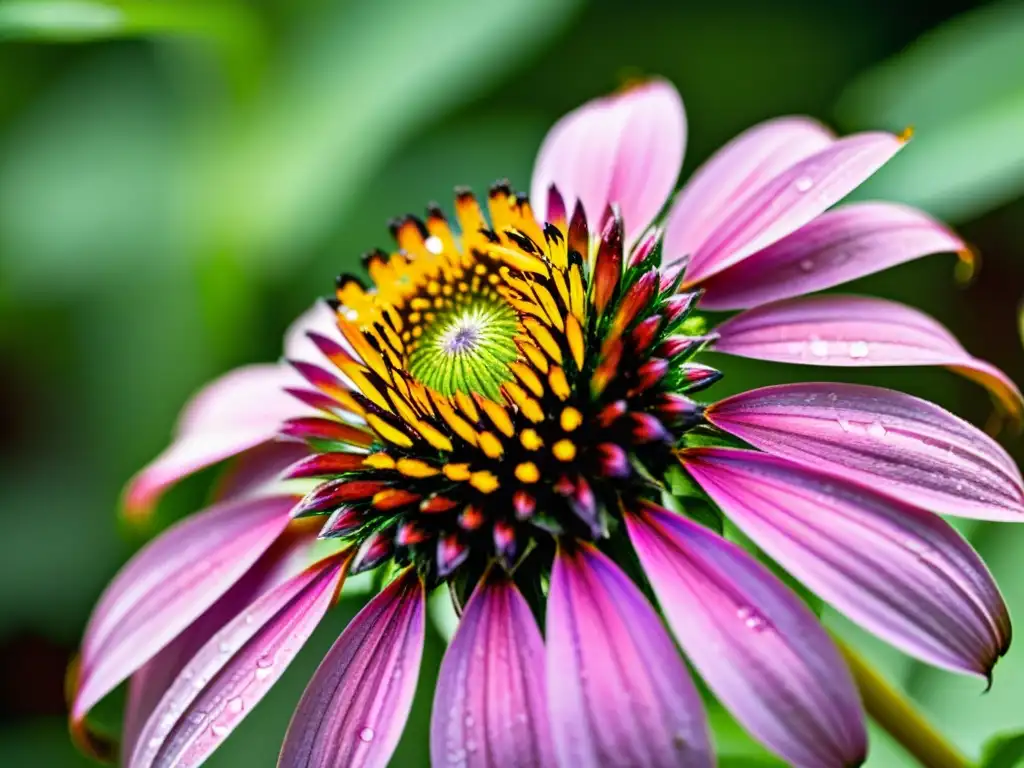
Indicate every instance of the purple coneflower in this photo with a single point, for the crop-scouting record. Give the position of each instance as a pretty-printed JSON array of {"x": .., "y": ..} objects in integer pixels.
[{"x": 504, "y": 412}]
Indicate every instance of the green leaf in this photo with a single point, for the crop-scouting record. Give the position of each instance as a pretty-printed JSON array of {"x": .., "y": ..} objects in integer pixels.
[
  {"x": 961, "y": 87},
  {"x": 1004, "y": 751},
  {"x": 63, "y": 20},
  {"x": 70, "y": 21}
]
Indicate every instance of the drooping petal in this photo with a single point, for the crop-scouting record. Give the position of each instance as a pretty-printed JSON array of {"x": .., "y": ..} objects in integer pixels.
[
  {"x": 319, "y": 319},
  {"x": 287, "y": 557},
  {"x": 236, "y": 412},
  {"x": 626, "y": 148},
  {"x": 731, "y": 176},
  {"x": 757, "y": 646},
  {"x": 838, "y": 246},
  {"x": 489, "y": 704},
  {"x": 855, "y": 331},
  {"x": 233, "y": 671},
  {"x": 618, "y": 691},
  {"x": 253, "y": 471},
  {"x": 354, "y": 709},
  {"x": 900, "y": 571},
  {"x": 167, "y": 585},
  {"x": 796, "y": 196},
  {"x": 897, "y": 444}
]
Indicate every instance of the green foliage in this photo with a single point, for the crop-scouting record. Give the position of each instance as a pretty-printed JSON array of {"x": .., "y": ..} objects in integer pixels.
[
  {"x": 961, "y": 88},
  {"x": 1004, "y": 751}
]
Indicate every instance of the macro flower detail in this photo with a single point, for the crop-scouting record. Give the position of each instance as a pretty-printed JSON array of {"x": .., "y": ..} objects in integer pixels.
[{"x": 513, "y": 409}]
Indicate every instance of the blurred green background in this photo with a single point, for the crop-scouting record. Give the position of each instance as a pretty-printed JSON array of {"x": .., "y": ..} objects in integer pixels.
[{"x": 179, "y": 179}]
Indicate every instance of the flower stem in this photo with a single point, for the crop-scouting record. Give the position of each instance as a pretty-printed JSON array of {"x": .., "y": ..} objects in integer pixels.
[{"x": 895, "y": 713}]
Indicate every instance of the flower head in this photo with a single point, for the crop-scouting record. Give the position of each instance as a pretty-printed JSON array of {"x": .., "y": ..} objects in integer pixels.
[{"x": 505, "y": 409}]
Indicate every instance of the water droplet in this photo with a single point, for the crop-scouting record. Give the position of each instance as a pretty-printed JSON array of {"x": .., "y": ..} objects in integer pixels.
[
  {"x": 804, "y": 183},
  {"x": 471, "y": 746},
  {"x": 366, "y": 735},
  {"x": 352, "y": 315},
  {"x": 265, "y": 662},
  {"x": 433, "y": 244},
  {"x": 875, "y": 429},
  {"x": 262, "y": 673},
  {"x": 224, "y": 646},
  {"x": 819, "y": 348},
  {"x": 752, "y": 619},
  {"x": 858, "y": 349},
  {"x": 236, "y": 705},
  {"x": 807, "y": 265},
  {"x": 469, "y": 721},
  {"x": 220, "y": 731},
  {"x": 155, "y": 742},
  {"x": 249, "y": 618},
  {"x": 959, "y": 487}
]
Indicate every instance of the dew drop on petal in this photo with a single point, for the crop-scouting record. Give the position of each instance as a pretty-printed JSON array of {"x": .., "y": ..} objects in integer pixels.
[
  {"x": 236, "y": 705},
  {"x": 819, "y": 348},
  {"x": 875, "y": 429},
  {"x": 434, "y": 244},
  {"x": 220, "y": 731},
  {"x": 366, "y": 735},
  {"x": 858, "y": 349},
  {"x": 804, "y": 183},
  {"x": 807, "y": 265}
]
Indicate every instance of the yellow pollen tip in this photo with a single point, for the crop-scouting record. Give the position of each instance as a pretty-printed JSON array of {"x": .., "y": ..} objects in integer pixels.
[
  {"x": 571, "y": 419},
  {"x": 457, "y": 472},
  {"x": 531, "y": 440},
  {"x": 564, "y": 450},
  {"x": 906, "y": 134},
  {"x": 416, "y": 468},
  {"x": 379, "y": 461},
  {"x": 491, "y": 445},
  {"x": 484, "y": 481},
  {"x": 527, "y": 472}
]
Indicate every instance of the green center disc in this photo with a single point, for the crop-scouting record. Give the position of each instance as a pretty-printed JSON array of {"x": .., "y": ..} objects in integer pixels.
[{"x": 467, "y": 349}]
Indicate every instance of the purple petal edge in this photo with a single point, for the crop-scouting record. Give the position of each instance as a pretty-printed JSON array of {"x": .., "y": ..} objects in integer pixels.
[
  {"x": 757, "y": 646},
  {"x": 897, "y": 444},
  {"x": 618, "y": 691},
  {"x": 354, "y": 709},
  {"x": 489, "y": 708},
  {"x": 899, "y": 571}
]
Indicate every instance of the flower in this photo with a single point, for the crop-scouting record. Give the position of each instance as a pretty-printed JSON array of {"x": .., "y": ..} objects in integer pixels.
[{"x": 503, "y": 413}]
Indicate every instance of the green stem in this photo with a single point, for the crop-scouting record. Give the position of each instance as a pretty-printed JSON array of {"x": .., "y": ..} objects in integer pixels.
[{"x": 895, "y": 713}]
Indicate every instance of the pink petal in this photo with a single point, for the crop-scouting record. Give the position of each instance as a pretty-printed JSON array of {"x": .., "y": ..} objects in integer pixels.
[
  {"x": 897, "y": 444},
  {"x": 757, "y": 646},
  {"x": 838, "y": 246},
  {"x": 731, "y": 176},
  {"x": 236, "y": 412},
  {"x": 790, "y": 200},
  {"x": 293, "y": 552},
  {"x": 321, "y": 319},
  {"x": 255, "y": 470},
  {"x": 355, "y": 707},
  {"x": 901, "y": 572},
  {"x": 489, "y": 706},
  {"x": 167, "y": 585},
  {"x": 853, "y": 331},
  {"x": 618, "y": 691},
  {"x": 233, "y": 671},
  {"x": 626, "y": 148}
]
